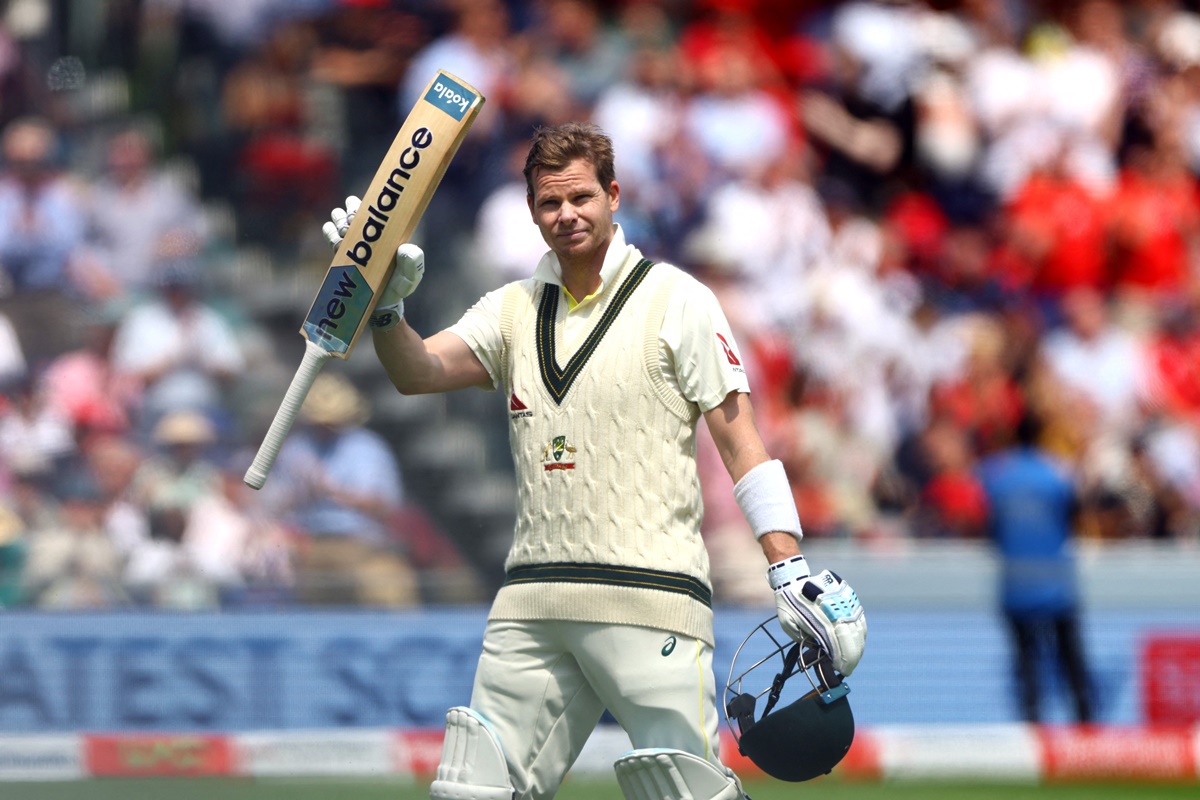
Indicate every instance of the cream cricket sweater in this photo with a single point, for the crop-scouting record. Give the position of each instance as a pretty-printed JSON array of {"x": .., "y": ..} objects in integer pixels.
[{"x": 609, "y": 507}]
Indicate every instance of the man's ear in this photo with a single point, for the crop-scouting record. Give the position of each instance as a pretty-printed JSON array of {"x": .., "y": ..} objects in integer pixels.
[{"x": 614, "y": 196}]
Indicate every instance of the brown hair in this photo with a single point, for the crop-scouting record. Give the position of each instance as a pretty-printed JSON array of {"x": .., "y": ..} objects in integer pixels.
[{"x": 553, "y": 148}]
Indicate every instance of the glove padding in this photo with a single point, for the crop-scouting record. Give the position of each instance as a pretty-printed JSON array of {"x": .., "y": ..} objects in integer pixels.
[
  {"x": 821, "y": 607},
  {"x": 410, "y": 268}
]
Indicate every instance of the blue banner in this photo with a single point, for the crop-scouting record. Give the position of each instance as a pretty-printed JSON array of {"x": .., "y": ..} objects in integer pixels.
[{"x": 295, "y": 669}]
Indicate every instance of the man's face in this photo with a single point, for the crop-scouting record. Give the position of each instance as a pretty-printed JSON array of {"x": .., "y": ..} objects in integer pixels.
[{"x": 573, "y": 211}]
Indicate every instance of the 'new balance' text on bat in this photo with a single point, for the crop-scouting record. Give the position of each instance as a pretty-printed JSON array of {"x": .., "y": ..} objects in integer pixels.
[{"x": 392, "y": 206}]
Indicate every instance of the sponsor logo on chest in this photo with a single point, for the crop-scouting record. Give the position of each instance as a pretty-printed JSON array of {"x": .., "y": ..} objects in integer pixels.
[{"x": 517, "y": 409}]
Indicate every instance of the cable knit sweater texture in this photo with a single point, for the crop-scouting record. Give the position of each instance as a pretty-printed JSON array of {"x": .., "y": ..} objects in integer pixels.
[{"x": 609, "y": 504}]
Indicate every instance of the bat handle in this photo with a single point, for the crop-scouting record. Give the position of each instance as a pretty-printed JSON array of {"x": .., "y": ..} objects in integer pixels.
[{"x": 314, "y": 358}]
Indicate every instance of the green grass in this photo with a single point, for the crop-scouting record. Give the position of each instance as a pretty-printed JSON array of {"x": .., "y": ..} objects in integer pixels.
[{"x": 392, "y": 789}]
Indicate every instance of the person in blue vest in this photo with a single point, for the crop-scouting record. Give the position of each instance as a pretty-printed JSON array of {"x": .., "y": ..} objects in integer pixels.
[{"x": 1033, "y": 507}]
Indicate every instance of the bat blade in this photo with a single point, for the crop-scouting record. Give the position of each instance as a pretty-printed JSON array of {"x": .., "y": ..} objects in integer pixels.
[
  {"x": 391, "y": 208},
  {"x": 390, "y": 211}
]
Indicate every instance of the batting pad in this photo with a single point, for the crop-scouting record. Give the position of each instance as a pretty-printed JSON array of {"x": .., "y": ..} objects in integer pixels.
[
  {"x": 473, "y": 765},
  {"x": 664, "y": 774}
]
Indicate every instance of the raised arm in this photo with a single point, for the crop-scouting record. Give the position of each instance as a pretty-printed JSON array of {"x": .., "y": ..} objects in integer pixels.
[{"x": 441, "y": 363}]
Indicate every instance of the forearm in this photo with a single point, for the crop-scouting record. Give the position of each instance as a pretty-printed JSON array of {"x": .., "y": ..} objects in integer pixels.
[
  {"x": 765, "y": 497},
  {"x": 441, "y": 363},
  {"x": 406, "y": 360},
  {"x": 778, "y": 545}
]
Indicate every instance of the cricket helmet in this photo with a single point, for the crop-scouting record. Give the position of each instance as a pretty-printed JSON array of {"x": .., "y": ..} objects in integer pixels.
[{"x": 811, "y": 731}]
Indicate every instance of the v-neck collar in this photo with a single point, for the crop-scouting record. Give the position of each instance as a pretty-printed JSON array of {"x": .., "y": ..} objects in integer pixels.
[{"x": 558, "y": 379}]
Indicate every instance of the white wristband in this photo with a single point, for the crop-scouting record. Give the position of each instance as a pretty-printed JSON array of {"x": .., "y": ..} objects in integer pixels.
[{"x": 765, "y": 497}]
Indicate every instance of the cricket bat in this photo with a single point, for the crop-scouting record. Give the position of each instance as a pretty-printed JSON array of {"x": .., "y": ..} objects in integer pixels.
[{"x": 391, "y": 208}]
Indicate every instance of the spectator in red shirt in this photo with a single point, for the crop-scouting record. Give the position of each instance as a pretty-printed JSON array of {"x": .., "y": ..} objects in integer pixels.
[
  {"x": 1155, "y": 220},
  {"x": 952, "y": 502},
  {"x": 1057, "y": 225},
  {"x": 985, "y": 400},
  {"x": 723, "y": 26},
  {"x": 1174, "y": 362}
]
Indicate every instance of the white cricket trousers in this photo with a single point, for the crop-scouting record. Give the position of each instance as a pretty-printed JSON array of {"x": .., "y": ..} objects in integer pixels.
[{"x": 543, "y": 685}]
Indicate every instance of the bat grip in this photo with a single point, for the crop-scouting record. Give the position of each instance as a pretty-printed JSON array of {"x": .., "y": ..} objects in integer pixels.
[{"x": 314, "y": 358}]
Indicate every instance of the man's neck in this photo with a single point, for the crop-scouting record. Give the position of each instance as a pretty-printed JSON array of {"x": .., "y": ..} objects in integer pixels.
[
  {"x": 582, "y": 277},
  {"x": 581, "y": 281}
]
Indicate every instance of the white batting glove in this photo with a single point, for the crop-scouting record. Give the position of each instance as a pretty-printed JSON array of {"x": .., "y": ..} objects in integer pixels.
[
  {"x": 410, "y": 268},
  {"x": 339, "y": 221},
  {"x": 821, "y": 607}
]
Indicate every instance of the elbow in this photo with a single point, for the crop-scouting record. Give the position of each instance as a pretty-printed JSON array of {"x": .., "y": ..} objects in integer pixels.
[
  {"x": 408, "y": 388},
  {"x": 413, "y": 383}
]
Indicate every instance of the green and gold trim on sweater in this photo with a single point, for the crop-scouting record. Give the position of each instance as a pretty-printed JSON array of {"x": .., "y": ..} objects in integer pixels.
[
  {"x": 635, "y": 577},
  {"x": 557, "y": 379}
]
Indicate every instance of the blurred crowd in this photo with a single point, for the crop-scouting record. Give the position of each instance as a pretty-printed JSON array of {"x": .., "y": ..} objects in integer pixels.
[{"x": 927, "y": 222}]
